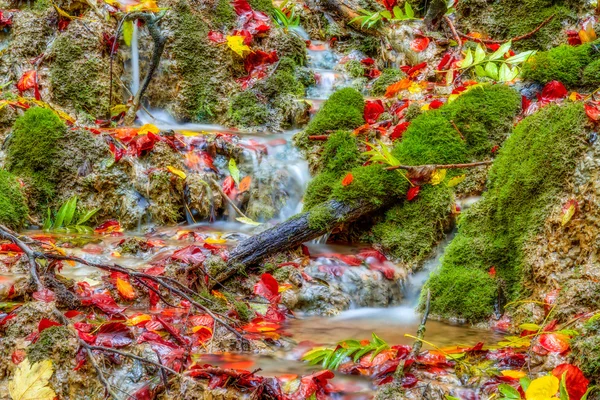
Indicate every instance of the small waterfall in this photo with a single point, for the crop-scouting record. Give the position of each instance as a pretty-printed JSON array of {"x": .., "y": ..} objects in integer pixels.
[{"x": 135, "y": 60}]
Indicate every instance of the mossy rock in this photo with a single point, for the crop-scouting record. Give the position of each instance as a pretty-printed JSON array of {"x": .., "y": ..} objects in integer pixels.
[
  {"x": 13, "y": 209},
  {"x": 591, "y": 74},
  {"x": 54, "y": 343},
  {"x": 586, "y": 351},
  {"x": 532, "y": 170},
  {"x": 224, "y": 14},
  {"x": 563, "y": 63},
  {"x": 33, "y": 150},
  {"x": 265, "y": 6},
  {"x": 505, "y": 19},
  {"x": 247, "y": 110},
  {"x": 343, "y": 110},
  {"x": 355, "y": 69},
  {"x": 387, "y": 77}
]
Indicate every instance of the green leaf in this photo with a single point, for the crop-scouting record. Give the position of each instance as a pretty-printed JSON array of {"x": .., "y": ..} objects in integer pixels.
[
  {"x": 508, "y": 391},
  {"x": 85, "y": 217},
  {"x": 479, "y": 71},
  {"x": 468, "y": 60},
  {"x": 504, "y": 75},
  {"x": 386, "y": 14},
  {"x": 524, "y": 382},
  {"x": 448, "y": 397},
  {"x": 60, "y": 216},
  {"x": 410, "y": 13},
  {"x": 521, "y": 57},
  {"x": 127, "y": 32},
  {"x": 498, "y": 54},
  {"x": 590, "y": 390},
  {"x": 456, "y": 180},
  {"x": 234, "y": 171},
  {"x": 530, "y": 327},
  {"x": 479, "y": 54},
  {"x": 48, "y": 221},
  {"x": 70, "y": 210},
  {"x": 377, "y": 340},
  {"x": 248, "y": 221},
  {"x": 491, "y": 69},
  {"x": 397, "y": 12},
  {"x": 564, "y": 395}
]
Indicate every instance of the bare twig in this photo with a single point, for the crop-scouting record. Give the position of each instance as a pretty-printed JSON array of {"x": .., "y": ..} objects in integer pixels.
[
  {"x": 454, "y": 33},
  {"x": 31, "y": 255},
  {"x": 228, "y": 199},
  {"x": 458, "y": 130},
  {"x": 318, "y": 137},
  {"x": 442, "y": 166},
  {"x": 515, "y": 39},
  {"x": 421, "y": 331}
]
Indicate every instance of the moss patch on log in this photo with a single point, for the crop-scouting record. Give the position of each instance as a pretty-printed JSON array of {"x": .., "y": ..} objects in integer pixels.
[{"x": 533, "y": 167}]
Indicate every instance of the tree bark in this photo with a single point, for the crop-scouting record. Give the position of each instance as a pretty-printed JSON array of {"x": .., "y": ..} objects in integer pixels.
[{"x": 293, "y": 232}]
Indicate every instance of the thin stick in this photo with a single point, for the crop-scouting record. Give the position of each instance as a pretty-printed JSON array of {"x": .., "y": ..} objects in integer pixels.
[
  {"x": 129, "y": 355},
  {"x": 515, "y": 39},
  {"x": 31, "y": 255},
  {"x": 421, "y": 331},
  {"x": 227, "y": 198},
  {"x": 446, "y": 166},
  {"x": 318, "y": 137},
  {"x": 454, "y": 33},
  {"x": 458, "y": 130}
]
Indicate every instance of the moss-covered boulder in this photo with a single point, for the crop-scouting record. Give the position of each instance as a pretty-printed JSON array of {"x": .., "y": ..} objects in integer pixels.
[
  {"x": 13, "y": 209},
  {"x": 343, "y": 110},
  {"x": 586, "y": 350},
  {"x": 387, "y": 77},
  {"x": 532, "y": 169},
  {"x": 33, "y": 150},
  {"x": 563, "y": 63},
  {"x": 505, "y": 19}
]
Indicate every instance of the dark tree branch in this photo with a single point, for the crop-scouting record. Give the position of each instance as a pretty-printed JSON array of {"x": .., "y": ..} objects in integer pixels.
[{"x": 515, "y": 39}]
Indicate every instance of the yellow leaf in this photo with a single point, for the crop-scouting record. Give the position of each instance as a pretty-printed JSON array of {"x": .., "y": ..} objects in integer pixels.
[
  {"x": 587, "y": 34},
  {"x": 127, "y": 32},
  {"x": 62, "y": 12},
  {"x": 438, "y": 176},
  {"x": 236, "y": 43},
  {"x": 542, "y": 388},
  {"x": 125, "y": 289},
  {"x": 456, "y": 180},
  {"x": 148, "y": 128},
  {"x": 425, "y": 107},
  {"x": 200, "y": 328},
  {"x": 247, "y": 221},
  {"x": 176, "y": 171},
  {"x": 138, "y": 319},
  {"x": 218, "y": 295},
  {"x": 511, "y": 373},
  {"x": 568, "y": 214},
  {"x": 453, "y": 97},
  {"x": 30, "y": 382},
  {"x": 148, "y": 5},
  {"x": 573, "y": 96},
  {"x": 118, "y": 109},
  {"x": 218, "y": 240}
]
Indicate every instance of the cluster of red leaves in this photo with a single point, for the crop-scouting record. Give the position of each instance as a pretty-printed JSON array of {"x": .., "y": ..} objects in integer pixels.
[
  {"x": 255, "y": 22},
  {"x": 5, "y": 21},
  {"x": 553, "y": 92},
  {"x": 256, "y": 64}
]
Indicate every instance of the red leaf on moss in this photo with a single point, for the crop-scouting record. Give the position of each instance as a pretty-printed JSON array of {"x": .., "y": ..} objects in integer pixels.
[
  {"x": 29, "y": 81},
  {"x": 554, "y": 90},
  {"x": 412, "y": 193},
  {"x": 575, "y": 382},
  {"x": 45, "y": 323},
  {"x": 419, "y": 44},
  {"x": 435, "y": 104},
  {"x": 555, "y": 342},
  {"x": 373, "y": 109},
  {"x": 216, "y": 36},
  {"x": 592, "y": 112},
  {"x": 268, "y": 288},
  {"x": 347, "y": 179},
  {"x": 492, "y": 272}
]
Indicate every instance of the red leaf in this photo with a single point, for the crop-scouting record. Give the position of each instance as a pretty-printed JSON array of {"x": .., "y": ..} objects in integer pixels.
[
  {"x": 104, "y": 302},
  {"x": 18, "y": 356},
  {"x": 492, "y": 271},
  {"x": 550, "y": 299},
  {"x": 554, "y": 90},
  {"x": 29, "y": 81},
  {"x": 5, "y": 21},
  {"x": 446, "y": 62},
  {"x": 114, "y": 334},
  {"x": 112, "y": 225},
  {"x": 45, "y": 295},
  {"x": 259, "y": 58},
  {"x": 347, "y": 179},
  {"x": 592, "y": 112},
  {"x": 412, "y": 193},
  {"x": 366, "y": 253},
  {"x": 373, "y": 109},
  {"x": 216, "y": 36},
  {"x": 435, "y": 104},
  {"x": 419, "y": 44},
  {"x": 45, "y": 323},
  {"x": 399, "y": 130},
  {"x": 313, "y": 384},
  {"x": 190, "y": 255},
  {"x": 575, "y": 381},
  {"x": 10, "y": 248},
  {"x": 389, "y": 4},
  {"x": 367, "y": 61},
  {"x": 554, "y": 342},
  {"x": 228, "y": 186},
  {"x": 268, "y": 288}
]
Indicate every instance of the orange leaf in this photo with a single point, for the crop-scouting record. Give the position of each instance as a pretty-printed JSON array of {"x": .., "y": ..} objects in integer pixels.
[
  {"x": 245, "y": 184},
  {"x": 394, "y": 88},
  {"x": 419, "y": 44},
  {"x": 347, "y": 179},
  {"x": 29, "y": 81},
  {"x": 219, "y": 295},
  {"x": 125, "y": 289},
  {"x": 138, "y": 319}
]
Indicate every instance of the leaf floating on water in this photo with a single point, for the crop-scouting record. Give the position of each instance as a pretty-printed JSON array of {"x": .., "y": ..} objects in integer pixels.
[
  {"x": 248, "y": 221},
  {"x": 456, "y": 180},
  {"x": 176, "y": 171},
  {"x": 234, "y": 171},
  {"x": 438, "y": 176},
  {"x": 236, "y": 43},
  {"x": 30, "y": 382}
]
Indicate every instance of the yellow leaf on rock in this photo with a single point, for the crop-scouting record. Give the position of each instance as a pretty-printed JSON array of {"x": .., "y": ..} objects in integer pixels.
[
  {"x": 236, "y": 43},
  {"x": 30, "y": 382},
  {"x": 456, "y": 180},
  {"x": 148, "y": 128},
  {"x": 438, "y": 176},
  {"x": 177, "y": 172},
  {"x": 542, "y": 388},
  {"x": 511, "y": 373}
]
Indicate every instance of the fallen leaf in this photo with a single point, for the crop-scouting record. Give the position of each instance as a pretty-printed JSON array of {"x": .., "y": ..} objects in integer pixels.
[
  {"x": 125, "y": 289},
  {"x": 554, "y": 90},
  {"x": 419, "y": 44},
  {"x": 245, "y": 184},
  {"x": 234, "y": 171},
  {"x": 394, "y": 88},
  {"x": 268, "y": 288},
  {"x": 513, "y": 373},
  {"x": 177, "y": 172},
  {"x": 438, "y": 176},
  {"x": 568, "y": 211},
  {"x": 575, "y": 382},
  {"x": 456, "y": 180},
  {"x": 30, "y": 382},
  {"x": 247, "y": 221},
  {"x": 555, "y": 342},
  {"x": 373, "y": 109},
  {"x": 412, "y": 193},
  {"x": 592, "y": 112},
  {"x": 588, "y": 34},
  {"x": 29, "y": 81},
  {"x": 347, "y": 179},
  {"x": 542, "y": 388},
  {"x": 236, "y": 43},
  {"x": 148, "y": 128}
]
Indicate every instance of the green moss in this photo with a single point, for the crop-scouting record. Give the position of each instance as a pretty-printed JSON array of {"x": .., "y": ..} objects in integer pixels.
[
  {"x": 340, "y": 152},
  {"x": 319, "y": 189},
  {"x": 53, "y": 343},
  {"x": 563, "y": 63},
  {"x": 410, "y": 230},
  {"x": 387, "y": 77},
  {"x": 591, "y": 74},
  {"x": 355, "y": 69},
  {"x": 506, "y": 19},
  {"x": 13, "y": 210},
  {"x": 75, "y": 75},
  {"x": 463, "y": 292},
  {"x": 224, "y": 14},
  {"x": 262, "y": 5},
  {"x": 244, "y": 312},
  {"x": 533, "y": 167},
  {"x": 586, "y": 351},
  {"x": 245, "y": 109},
  {"x": 321, "y": 217},
  {"x": 282, "y": 82},
  {"x": 343, "y": 110},
  {"x": 33, "y": 149}
]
